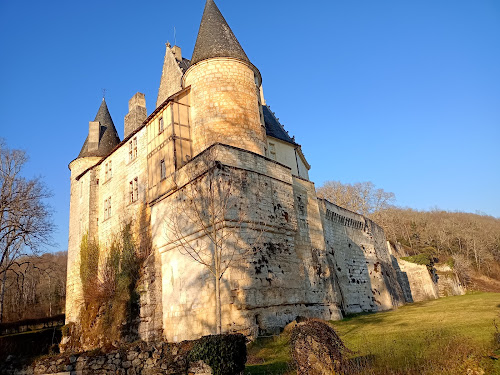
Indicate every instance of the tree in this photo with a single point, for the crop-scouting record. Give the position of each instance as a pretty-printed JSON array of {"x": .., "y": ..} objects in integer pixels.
[
  {"x": 361, "y": 197},
  {"x": 25, "y": 218},
  {"x": 208, "y": 223}
]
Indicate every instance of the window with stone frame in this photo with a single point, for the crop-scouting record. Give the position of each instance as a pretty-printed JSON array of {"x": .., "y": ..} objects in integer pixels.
[
  {"x": 133, "y": 190},
  {"x": 160, "y": 125},
  {"x": 132, "y": 149},
  {"x": 107, "y": 208},
  {"x": 272, "y": 151}
]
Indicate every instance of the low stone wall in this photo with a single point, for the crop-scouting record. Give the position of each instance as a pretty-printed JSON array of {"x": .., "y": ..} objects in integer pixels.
[
  {"x": 420, "y": 285},
  {"x": 140, "y": 358},
  {"x": 448, "y": 282}
]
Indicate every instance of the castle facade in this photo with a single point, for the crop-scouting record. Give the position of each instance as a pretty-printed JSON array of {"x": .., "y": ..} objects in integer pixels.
[{"x": 308, "y": 256}]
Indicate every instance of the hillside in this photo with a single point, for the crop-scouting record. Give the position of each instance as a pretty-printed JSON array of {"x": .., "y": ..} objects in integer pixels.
[{"x": 470, "y": 243}]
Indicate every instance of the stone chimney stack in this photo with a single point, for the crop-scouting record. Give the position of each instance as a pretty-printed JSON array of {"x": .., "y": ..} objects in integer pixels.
[
  {"x": 177, "y": 53},
  {"x": 136, "y": 113},
  {"x": 262, "y": 99},
  {"x": 94, "y": 130}
]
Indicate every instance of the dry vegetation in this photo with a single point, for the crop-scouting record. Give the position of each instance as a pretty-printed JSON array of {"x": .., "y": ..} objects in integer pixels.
[
  {"x": 35, "y": 287},
  {"x": 109, "y": 313},
  {"x": 448, "y": 336},
  {"x": 25, "y": 219},
  {"x": 470, "y": 243}
]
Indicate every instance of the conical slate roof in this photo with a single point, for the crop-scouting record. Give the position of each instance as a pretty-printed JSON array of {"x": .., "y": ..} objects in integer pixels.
[
  {"x": 108, "y": 136},
  {"x": 215, "y": 37}
]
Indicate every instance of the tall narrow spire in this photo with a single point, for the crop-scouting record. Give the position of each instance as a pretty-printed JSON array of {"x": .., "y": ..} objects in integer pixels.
[
  {"x": 108, "y": 136},
  {"x": 215, "y": 37}
]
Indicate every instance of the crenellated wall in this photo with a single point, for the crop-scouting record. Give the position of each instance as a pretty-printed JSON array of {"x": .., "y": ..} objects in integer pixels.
[{"x": 357, "y": 249}]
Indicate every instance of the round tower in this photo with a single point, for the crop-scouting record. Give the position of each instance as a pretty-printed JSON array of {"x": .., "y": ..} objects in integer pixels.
[
  {"x": 225, "y": 96},
  {"x": 101, "y": 140}
]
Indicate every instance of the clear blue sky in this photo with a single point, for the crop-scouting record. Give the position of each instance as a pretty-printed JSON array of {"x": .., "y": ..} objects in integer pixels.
[{"x": 405, "y": 94}]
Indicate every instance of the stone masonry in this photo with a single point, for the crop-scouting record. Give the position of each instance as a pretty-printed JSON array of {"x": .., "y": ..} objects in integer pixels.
[{"x": 297, "y": 255}]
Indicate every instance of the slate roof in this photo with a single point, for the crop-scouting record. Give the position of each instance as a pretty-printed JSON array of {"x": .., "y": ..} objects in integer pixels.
[
  {"x": 274, "y": 127},
  {"x": 215, "y": 37},
  {"x": 184, "y": 64},
  {"x": 108, "y": 137}
]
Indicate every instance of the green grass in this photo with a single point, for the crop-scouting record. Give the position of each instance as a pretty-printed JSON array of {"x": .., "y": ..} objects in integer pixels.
[
  {"x": 445, "y": 336},
  {"x": 269, "y": 355}
]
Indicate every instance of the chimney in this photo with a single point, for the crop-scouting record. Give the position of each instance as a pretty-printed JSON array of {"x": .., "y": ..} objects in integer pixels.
[
  {"x": 136, "y": 113},
  {"x": 177, "y": 53},
  {"x": 262, "y": 99},
  {"x": 93, "y": 140}
]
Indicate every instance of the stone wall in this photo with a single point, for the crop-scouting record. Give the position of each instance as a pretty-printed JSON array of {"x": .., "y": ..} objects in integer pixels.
[
  {"x": 420, "y": 285},
  {"x": 448, "y": 282},
  {"x": 276, "y": 280},
  {"x": 171, "y": 75},
  {"x": 356, "y": 247},
  {"x": 128, "y": 204},
  {"x": 78, "y": 225},
  {"x": 225, "y": 105},
  {"x": 140, "y": 358}
]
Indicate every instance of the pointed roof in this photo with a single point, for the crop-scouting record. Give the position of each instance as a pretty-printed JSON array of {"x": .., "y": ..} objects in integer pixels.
[
  {"x": 108, "y": 136},
  {"x": 215, "y": 37}
]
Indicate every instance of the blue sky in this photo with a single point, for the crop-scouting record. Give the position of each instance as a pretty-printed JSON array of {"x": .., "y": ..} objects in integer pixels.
[{"x": 405, "y": 94}]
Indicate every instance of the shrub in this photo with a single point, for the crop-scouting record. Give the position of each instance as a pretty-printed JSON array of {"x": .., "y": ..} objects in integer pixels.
[
  {"x": 89, "y": 262},
  {"x": 225, "y": 354},
  {"x": 111, "y": 301},
  {"x": 422, "y": 259},
  {"x": 67, "y": 329}
]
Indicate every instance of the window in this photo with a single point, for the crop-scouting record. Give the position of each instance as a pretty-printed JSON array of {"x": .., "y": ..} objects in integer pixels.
[
  {"x": 108, "y": 173},
  {"x": 163, "y": 171},
  {"x": 133, "y": 190},
  {"x": 132, "y": 149},
  {"x": 272, "y": 151},
  {"x": 107, "y": 208},
  {"x": 160, "y": 125}
]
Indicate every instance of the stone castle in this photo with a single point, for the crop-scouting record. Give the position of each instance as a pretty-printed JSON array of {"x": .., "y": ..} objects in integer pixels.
[{"x": 312, "y": 258}]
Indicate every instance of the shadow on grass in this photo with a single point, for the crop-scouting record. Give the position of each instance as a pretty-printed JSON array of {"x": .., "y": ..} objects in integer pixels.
[{"x": 274, "y": 368}]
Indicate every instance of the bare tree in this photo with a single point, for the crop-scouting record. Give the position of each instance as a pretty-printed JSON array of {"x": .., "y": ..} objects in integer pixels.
[
  {"x": 361, "y": 197},
  {"x": 25, "y": 219},
  {"x": 208, "y": 223}
]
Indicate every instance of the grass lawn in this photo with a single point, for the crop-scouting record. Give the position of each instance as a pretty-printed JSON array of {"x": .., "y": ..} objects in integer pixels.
[{"x": 450, "y": 335}]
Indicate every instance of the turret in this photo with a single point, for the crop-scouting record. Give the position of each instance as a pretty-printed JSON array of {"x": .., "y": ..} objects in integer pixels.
[
  {"x": 225, "y": 89},
  {"x": 101, "y": 140}
]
